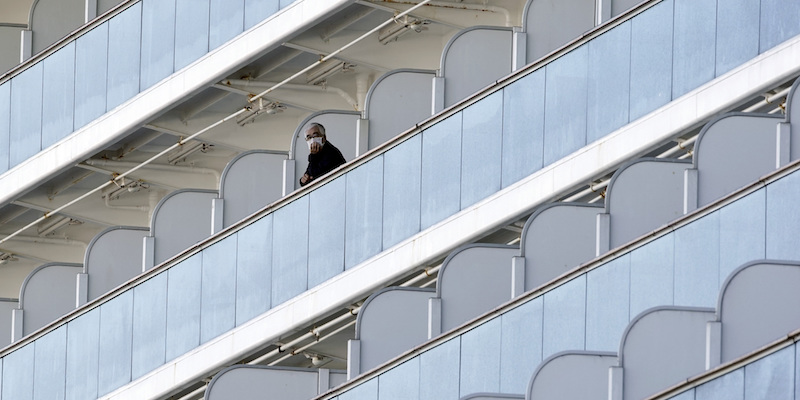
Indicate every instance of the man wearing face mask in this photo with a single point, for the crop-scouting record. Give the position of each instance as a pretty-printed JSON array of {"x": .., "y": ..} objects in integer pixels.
[{"x": 324, "y": 156}]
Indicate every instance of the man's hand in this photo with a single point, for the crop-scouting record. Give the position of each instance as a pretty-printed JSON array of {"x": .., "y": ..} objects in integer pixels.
[
  {"x": 305, "y": 179},
  {"x": 315, "y": 147}
]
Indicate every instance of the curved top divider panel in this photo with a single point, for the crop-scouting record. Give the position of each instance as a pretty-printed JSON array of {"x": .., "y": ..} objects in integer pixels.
[
  {"x": 643, "y": 195},
  {"x": 180, "y": 219},
  {"x": 473, "y": 59},
  {"x": 550, "y": 24},
  {"x": 47, "y": 293},
  {"x": 589, "y": 368},
  {"x": 396, "y": 102},
  {"x": 661, "y": 347},
  {"x": 732, "y": 151},
  {"x": 249, "y": 182},
  {"x": 253, "y": 381},
  {"x": 757, "y": 305},
  {"x": 113, "y": 257},
  {"x": 556, "y": 238}
]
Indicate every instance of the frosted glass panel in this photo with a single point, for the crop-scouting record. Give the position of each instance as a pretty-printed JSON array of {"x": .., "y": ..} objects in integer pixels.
[
  {"x": 480, "y": 360},
  {"x": 523, "y": 127},
  {"x": 256, "y": 11},
  {"x": 565, "y": 317},
  {"x": 125, "y": 31},
  {"x": 778, "y": 22},
  {"x": 737, "y": 32},
  {"x": 253, "y": 269},
  {"x": 50, "y": 365},
  {"x": 400, "y": 382},
  {"x": 326, "y": 232},
  {"x": 607, "y": 304},
  {"x": 771, "y": 377},
  {"x": 522, "y": 334},
  {"x": 149, "y": 325},
  {"x": 191, "y": 33},
  {"x": 5, "y": 121},
  {"x": 158, "y": 41},
  {"x": 364, "y": 212},
  {"x": 401, "y": 191},
  {"x": 116, "y": 331},
  {"x": 694, "y": 49},
  {"x": 481, "y": 147},
  {"x": 742, "y": 232},
  {"x": 651, "y": 59},
  {"x": 727, "y": 387},
  {"x": 227, "y": 21},
  {"x": 652, "y": 275},
  {"x": 438, "y": 371},
  {"x": 783, "y": 220},
  {"x": 441, "y": 170},
  {"x": 290, "y": 251},
  {"x": 18, "y": 374},
  {"x": 218, "y": 311},
  {"x": 609, "y": 79},
  {"x": 565, "y": 105},
  {"x": 83, "y": 336},
  {"x": 697, "y": 263},
  {"x": 365, "y": 391},
  {"x": 26, "y": 114},
  {"x": 59, "y": 84},
  {"x": 183, "y": 306},
  {"x": 91, "y": 61}
]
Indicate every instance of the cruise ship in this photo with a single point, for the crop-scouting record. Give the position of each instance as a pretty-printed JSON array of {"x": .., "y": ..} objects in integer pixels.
[{"x": 542, "y": 199}]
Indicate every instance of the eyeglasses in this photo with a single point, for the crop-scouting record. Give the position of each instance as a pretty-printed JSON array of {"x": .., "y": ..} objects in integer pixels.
[{"x": 313, "y": 135}]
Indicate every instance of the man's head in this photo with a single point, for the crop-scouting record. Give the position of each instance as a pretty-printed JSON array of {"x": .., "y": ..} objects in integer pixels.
[{"x": 315, "y": 137}]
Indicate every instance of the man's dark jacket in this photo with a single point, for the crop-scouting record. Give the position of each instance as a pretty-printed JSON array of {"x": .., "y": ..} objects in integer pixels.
[{"x": 326, "y": 160}]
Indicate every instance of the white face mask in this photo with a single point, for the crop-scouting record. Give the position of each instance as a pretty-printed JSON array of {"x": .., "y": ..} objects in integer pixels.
[{"x": 314, "y": 140}]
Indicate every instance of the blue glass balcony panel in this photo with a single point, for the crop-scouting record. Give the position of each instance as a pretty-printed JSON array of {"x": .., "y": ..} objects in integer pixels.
[
  {"x": 401, "y": 382},
  {"x": 254, "y": 269},
  {"x": 18, "y": 374},
  {"x": 522, "y": 334},
  {"x": 441, "y": 170},
  {"x": 481, "y": 146},
  {"x": 364, "y": 212},
  {"x": 158, "y": 41},
  {"x": 771, "y": 377},
  {"x": 5, "y": 125},
  {"x": 83, "y": 356},
  {"x": 778, "y": 22},
  {"x": 652, "y": 275},
  {"x": 116, "y": 334},
  {"x": 608, "y": 304},
  {"x": 727, "y": 387},
  {"x": 59, "y": 85},
  {"x": 694, "y": 48},
  {"x": 564, "y": 323},
  {"x": 50, "y": 365},
  {"x": 125, "y": 32},
  {"x": 742, "y": 233},
  {"x": 480, "y": 360},
  {"x": 290, "y": 251},
  {"x": 565, "y": 104},
  {"x": 256, "y": 11},
  {"x": 149, "y": 325},
  {"x": 26, "y": 114},
  {"x": 191, "y": 31},
  {"x": 651, "y": 59},
  {"x": 737, "y": 33},
  {"x": 183, "y": 306},
  {"x": 609, "y": 80},
  {"x": 523, "y": 127},
  {"x": 326, "y": 227},
  {"x": 783, "y": 220},
  {"x": 401, "y": 191},
  {"x": 218, "y": 283},
  {"x": 227, "y": 21},
  {"x": 697, "y": 263},
  {"x": 438, "y": 371},
  {"x": 366, "y": 391},
  {"x": 91, "y": 62}
]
